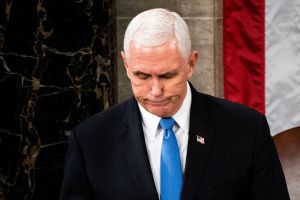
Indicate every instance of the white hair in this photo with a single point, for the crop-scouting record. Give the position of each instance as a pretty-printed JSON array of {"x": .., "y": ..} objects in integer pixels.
[{"x": 155, "y": 27}]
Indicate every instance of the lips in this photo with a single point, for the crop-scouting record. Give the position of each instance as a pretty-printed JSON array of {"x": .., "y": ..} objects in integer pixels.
[{"x": 158, "y": 103}]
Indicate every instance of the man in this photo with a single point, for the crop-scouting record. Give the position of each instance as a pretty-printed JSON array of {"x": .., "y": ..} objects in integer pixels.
[{"x": 170, "y": 142}]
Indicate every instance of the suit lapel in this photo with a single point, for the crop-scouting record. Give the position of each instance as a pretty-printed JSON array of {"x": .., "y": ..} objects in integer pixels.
[
  {"x": 198, "y": 150},
  {"x": 136, "y": 152}
]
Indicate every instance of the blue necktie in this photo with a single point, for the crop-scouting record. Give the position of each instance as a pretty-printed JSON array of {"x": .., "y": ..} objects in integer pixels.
[{"x": 170, "y": 165}]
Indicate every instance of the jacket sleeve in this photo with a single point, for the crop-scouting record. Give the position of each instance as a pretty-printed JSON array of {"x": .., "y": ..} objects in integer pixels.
[
  {"x": 76, "y": 184},
  {"x": 268, "y": 181}
]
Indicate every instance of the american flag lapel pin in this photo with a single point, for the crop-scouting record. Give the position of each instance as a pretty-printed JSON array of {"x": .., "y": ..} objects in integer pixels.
[{"x": 200, "y": 139}]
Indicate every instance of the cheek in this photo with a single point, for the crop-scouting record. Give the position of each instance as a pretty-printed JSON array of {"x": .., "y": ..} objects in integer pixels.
[
  {"x": 176, "y": 87},
  {"x": 139, "y": 89}
]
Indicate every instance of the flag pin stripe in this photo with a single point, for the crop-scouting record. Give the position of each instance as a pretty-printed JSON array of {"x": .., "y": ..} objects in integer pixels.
[{"x": 200, "y": 139}]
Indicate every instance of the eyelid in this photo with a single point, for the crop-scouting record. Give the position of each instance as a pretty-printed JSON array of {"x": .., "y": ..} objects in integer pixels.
[
  {"x": 141, "y": 75},
  {"x": 168, "y": 75}
]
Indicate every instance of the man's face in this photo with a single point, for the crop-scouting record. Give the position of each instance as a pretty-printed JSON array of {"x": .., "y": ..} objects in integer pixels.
[{"x": 159, "y": 76}]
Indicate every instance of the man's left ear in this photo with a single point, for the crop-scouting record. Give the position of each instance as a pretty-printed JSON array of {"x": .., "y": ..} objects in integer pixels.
[{"x": 192, "y": 62}]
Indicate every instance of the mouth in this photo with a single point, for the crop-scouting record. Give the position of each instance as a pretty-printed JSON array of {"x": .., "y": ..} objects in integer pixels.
[{"x": 163, "y": 102}]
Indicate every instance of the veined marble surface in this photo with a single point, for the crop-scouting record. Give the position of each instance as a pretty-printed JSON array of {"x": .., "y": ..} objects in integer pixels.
[{"x": 57, "y": 67}]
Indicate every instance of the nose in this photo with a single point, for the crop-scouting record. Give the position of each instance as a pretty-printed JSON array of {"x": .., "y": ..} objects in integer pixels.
[{"x": 156, "y": 88}]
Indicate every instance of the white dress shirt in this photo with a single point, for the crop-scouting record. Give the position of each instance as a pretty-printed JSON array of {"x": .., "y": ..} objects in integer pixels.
[{"x": 154, "y": 134}]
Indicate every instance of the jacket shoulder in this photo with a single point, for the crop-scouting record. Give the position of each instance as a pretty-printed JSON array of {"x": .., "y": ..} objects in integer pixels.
[
  {"x": 228, "y": 114},
  {"x": 104, "y": 122},
  {"x": 229, "y": 108}
]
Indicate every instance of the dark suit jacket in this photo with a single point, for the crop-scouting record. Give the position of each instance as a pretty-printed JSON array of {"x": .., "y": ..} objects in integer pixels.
[{"x": 108, "y": 159}]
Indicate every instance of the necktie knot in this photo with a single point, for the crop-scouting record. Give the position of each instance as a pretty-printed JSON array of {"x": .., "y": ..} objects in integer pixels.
[{"x": 167, "y": 123}]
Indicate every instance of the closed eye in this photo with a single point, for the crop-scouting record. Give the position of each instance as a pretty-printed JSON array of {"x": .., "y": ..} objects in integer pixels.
[
  {"x": 168, "y": 75},
  {"x": 141, "y": 75}
]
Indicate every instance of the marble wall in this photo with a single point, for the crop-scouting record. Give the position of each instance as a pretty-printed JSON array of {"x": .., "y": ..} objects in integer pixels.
[
  {"x": 204, "y": 18},
  {"x": 57, "y": 67}
]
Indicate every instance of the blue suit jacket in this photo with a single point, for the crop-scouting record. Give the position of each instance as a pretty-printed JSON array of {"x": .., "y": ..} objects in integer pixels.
[{"x": 107, "y": 158}]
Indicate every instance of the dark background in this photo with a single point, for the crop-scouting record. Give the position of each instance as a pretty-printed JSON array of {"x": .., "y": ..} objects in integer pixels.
[{"x": 57, "y": 67}]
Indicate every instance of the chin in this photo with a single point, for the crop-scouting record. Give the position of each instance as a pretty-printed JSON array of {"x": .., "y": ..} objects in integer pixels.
[{"x": 161, "y": 112}]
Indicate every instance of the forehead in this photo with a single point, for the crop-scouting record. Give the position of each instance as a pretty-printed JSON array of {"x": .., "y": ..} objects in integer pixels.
[{"x": 166, "y": 53}]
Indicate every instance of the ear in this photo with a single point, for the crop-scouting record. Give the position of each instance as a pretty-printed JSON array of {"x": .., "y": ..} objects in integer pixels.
[
  {"x": 192, "y": 63},
  {"x": 125, "y": 63}
]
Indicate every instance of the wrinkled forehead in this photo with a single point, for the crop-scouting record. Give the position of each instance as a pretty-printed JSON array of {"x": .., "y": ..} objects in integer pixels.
[
  {"x": 169, "y": 46},
  {"x": 163, "y": 56}
]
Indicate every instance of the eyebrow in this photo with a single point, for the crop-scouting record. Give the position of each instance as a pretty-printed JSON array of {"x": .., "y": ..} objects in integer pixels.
[
  {"x": 162, "y": 74},
  {"x": 140, "y": 72},
  {"x": 168, "y": 74}
]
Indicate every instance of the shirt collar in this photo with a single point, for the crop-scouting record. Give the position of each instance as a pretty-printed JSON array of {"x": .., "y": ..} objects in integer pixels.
[
  {"x": 149, "y": 120},
  {"x": 182, "y": 116}
]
